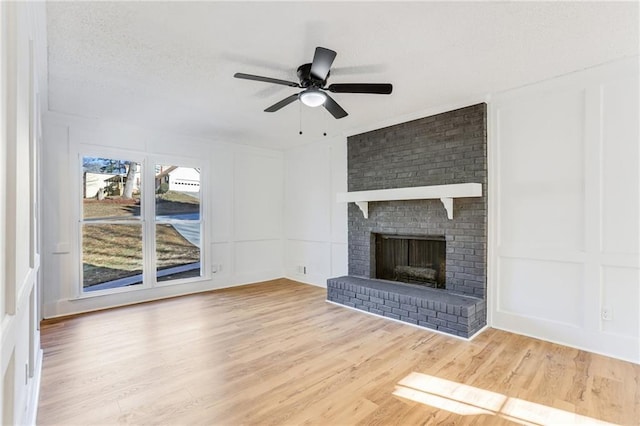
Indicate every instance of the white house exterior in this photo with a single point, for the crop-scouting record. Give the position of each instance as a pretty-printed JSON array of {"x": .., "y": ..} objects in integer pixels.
[
  {"x": 182, "y": 179},
  {"x": 93, "y": 182}
]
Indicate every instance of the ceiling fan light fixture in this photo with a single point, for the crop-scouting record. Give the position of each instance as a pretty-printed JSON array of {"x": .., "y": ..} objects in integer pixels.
[
  {"x": 313, "y": 97},
  {"x": 313, "y": 80}
]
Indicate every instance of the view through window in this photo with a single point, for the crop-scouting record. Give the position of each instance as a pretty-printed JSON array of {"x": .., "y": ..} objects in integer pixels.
[
  {"x": 112, "y": 232},
  {"x": 177, "y": 218},
  {"x": 114, "y": 237}
]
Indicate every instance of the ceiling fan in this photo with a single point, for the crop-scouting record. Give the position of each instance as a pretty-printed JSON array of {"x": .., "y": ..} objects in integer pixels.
[{"x": 313, "y": 79}]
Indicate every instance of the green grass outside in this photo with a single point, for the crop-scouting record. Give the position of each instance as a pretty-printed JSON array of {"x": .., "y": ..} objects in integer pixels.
[{"x": 113, "y": 251}]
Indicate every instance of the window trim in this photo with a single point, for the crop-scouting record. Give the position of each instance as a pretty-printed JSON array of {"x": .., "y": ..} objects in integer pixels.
[{"x": 146, "y": 220}]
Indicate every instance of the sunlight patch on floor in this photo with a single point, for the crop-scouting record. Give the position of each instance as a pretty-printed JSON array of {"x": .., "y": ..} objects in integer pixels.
[{"x": 468, "y": 400}]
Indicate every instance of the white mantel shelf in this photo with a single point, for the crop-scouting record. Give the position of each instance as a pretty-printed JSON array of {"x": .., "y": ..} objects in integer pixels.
[{"x": 446, "y": 194}]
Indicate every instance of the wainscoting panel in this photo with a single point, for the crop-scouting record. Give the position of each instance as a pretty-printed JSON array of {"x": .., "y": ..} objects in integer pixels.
[
  {"x": 620, "y": 180},
  {"x": 547, "y": 290},
  {"x": 259, "y": 259},
  {"x": 620, "y": 296},
  {"x": 564, "y": 207},
  {"x": 308, "y": 187},
  {"x": 258, "y": 184},
  {"x": 307, "y": 261},
  {"x": 542, "y": 162},
  {"x": 221, "y": 194}
]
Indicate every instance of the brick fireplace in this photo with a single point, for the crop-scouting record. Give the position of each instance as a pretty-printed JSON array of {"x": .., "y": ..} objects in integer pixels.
[{"x": 444, "y": 149}]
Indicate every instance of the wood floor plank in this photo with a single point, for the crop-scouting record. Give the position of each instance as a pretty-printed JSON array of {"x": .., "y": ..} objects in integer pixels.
[{"x": 277, "y": 353}]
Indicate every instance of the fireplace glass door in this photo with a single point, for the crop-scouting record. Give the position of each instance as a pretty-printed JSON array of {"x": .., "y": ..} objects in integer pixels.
[{"x": 411, "y": 259}]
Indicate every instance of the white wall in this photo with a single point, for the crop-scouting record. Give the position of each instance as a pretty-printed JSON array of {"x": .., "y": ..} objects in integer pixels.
[
  {"x": 564, "y": 210},
  {"x": 22, "y": 38},
  {"x": 242, "y": 194},
  {"x": 315, "y": 224}
]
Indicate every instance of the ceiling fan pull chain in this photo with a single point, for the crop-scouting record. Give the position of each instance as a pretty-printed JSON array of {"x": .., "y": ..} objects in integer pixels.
[
  {"x": 324, "y": 118},
  {"x": 300, "y": 117}
]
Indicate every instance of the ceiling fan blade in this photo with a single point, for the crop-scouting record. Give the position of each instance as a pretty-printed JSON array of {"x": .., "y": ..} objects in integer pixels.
[
  {"x": 265, "y": 79},
  {"x": 373, "y": 88},
  {"x": 283, "y": 103},
  {"x": 333, "y": 107},
  {"x": 322, "y": 60}
]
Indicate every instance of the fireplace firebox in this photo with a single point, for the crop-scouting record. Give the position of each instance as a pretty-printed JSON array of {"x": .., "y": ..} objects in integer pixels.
[{"x": 411, "y": 259}]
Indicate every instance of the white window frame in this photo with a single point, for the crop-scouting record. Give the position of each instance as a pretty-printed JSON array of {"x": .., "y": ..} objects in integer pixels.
[
  {"x": 147, "y": 219},
  {"x": 179, "y": 162}
]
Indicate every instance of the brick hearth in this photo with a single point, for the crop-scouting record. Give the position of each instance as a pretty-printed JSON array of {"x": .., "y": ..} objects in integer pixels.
[{"x": 426, "y": 307}]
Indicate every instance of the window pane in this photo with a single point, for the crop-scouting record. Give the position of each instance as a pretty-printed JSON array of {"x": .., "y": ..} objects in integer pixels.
[
  {"x": 111, "y": 256},
  {"x": 111, "y": 188},
  {"x": 178, "y": 251},
  {"x": 177, "y": 192}
]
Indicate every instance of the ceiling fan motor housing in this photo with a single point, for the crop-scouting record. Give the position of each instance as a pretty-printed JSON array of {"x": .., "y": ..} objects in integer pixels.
[{"x": 308, "y": 80}]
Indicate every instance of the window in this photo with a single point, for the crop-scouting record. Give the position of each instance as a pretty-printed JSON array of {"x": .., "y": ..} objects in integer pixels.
[
  {"x": 177, "y": 222},
  {"x": 111, "y": 226},
  {"x": 127, "y": 242}
]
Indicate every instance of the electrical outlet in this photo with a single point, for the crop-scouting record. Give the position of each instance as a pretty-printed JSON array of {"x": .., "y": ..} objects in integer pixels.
[
  {"x": 215, "y": 268},
  {"x": 607, "y": 313},
  {"x": 302, "y": 270}
]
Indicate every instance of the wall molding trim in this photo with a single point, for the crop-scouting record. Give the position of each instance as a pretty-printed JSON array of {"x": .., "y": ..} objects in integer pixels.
[{"x": 564, "y": 237}]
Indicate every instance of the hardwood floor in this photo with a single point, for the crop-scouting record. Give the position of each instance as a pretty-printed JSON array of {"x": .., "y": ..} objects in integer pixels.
[{"x": 276, "y": 353}]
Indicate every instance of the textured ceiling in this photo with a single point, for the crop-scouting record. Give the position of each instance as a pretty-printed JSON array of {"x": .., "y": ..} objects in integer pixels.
[{"x": 169, "y": 66}]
